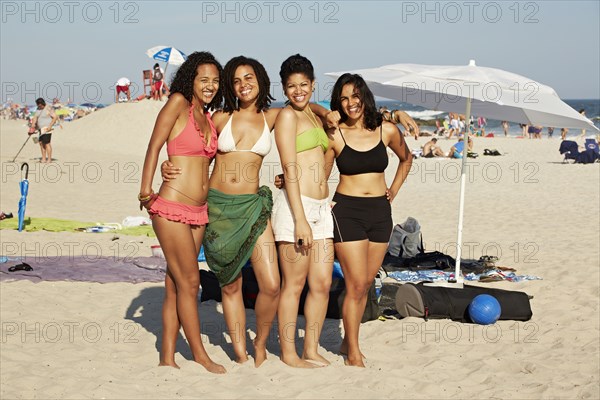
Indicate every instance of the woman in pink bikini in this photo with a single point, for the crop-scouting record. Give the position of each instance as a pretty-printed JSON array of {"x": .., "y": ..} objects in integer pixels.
[{"x": 179, "y": 211}]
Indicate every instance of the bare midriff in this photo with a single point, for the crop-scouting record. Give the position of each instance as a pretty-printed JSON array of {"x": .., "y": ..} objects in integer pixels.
[{"x": 191, "y": 186}]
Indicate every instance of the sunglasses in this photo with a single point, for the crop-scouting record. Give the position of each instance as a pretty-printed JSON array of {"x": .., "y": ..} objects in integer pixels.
[{"x": 21, "y": 267}]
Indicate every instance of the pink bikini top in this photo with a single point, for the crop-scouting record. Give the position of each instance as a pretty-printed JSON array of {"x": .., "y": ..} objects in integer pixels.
[{"x": 191, "y": 141}]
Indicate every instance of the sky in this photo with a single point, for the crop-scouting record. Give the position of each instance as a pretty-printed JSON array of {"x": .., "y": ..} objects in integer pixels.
[{"x": 76, "y": 50}]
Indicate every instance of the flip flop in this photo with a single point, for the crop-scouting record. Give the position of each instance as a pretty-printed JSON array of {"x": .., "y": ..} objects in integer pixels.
[{"x": 21, "y": 267}]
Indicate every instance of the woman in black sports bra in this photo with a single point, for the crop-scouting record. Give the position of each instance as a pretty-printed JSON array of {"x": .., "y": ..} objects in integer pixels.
[{"x": 362, "y": 203}]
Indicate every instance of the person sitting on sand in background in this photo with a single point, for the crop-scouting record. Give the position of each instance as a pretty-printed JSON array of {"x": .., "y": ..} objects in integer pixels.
[
  {"x": 179, "y": 211},
  {"x": 399, "y": 117},
  {"x": 245, "y": 121},
  {"x": 457, "y": 150},
  {"x": 122, "y": 86},
  {"x": 431, "y": 149},
  {"x": 362, "y": 211},
  {"x": 44, "y": 118}
]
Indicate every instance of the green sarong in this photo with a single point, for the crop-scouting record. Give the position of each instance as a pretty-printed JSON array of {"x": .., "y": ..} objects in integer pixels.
[{"x": 234, "y": 224}]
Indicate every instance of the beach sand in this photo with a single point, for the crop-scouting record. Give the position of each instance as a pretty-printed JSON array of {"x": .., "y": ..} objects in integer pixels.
[{"x": 91, "y": 340}]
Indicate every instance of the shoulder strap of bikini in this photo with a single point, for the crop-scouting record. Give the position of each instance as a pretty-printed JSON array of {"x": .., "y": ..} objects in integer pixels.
[{"x": 342, "y": 135}]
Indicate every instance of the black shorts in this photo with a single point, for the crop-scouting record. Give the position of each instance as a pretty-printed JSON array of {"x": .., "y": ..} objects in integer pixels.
[
  {"x": 359, "y": 218},
  {"x": 45, "y": 138}
]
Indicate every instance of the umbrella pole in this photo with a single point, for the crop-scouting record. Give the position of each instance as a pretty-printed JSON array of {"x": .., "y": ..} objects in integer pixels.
[
  {"x": 26, "y": 140},
  {"x": 461, "y": 203}
]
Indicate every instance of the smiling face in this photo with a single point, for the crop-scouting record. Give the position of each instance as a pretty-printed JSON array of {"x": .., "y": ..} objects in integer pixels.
[
  {"x": 245, "y": 84},
  {"x": 298, "y": 89},
  {"x": 351, "y": 102},
  {"x": 206, "y": 83}
]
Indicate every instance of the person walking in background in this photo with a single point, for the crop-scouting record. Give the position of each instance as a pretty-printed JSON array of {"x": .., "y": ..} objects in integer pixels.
[
  {"x": 582, "y": 112},
  {"x": 505, "y": 128},
  {"x": 550, "y": 132},
  {"x": 563, "y": 133},
  {"x": 481, "y": 123},
  {"x": 44, "y": 118},
  {"x": 158, "y": 76}
]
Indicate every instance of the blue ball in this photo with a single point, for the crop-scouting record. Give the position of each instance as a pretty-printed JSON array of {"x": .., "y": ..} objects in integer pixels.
[{"x": 484, "y": 309}]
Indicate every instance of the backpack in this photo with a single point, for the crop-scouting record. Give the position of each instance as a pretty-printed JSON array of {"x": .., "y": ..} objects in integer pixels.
[
  {"x": 158, "y": 75},
  {"x": 406, "y": 240}
]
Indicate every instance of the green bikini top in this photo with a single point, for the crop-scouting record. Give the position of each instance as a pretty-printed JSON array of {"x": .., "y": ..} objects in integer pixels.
[{"x": 311, "y": 138}]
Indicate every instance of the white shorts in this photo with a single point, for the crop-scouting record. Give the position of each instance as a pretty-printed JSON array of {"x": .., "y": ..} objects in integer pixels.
[{"x": 318, "y": 215}]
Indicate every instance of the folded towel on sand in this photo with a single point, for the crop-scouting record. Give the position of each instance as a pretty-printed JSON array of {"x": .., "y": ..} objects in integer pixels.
[{"x": 61, "y": 225}]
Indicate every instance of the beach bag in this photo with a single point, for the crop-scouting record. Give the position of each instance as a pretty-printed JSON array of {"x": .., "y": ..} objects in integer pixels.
[
  {"x": 212, "y": 291},
  {"x": 418, "y": 300},
  {"x": 337, "y": 293},
  {"x": 406, "y": 240}
]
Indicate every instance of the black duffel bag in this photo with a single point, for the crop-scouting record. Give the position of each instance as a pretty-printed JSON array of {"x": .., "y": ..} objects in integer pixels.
[{"x": 418, "y": 300}]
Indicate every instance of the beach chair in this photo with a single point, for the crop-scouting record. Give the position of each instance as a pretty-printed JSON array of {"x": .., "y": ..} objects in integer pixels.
[
  {"x": 147, "y": 80},
  {"x": 570, "y": 149},
  {"x": 592, "y": 145},
  {"x": 590, "y": 154}
]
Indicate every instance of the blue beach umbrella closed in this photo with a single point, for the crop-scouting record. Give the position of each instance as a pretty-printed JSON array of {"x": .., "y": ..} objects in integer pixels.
[{"x": 24, "y": 186}]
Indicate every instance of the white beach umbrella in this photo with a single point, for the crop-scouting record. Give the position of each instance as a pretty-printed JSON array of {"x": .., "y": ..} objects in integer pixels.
[{"x": 482, "y": 91}]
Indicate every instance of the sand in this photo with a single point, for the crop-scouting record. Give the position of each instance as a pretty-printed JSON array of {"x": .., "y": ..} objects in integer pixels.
[{"x": 90, "y": 340}]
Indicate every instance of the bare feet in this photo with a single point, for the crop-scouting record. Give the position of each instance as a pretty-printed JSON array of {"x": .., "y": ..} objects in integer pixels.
[
  {"x": 242, "y": 359},
  {"x": 168, "y": 364},
  {"x": 260, "y": 353},
  {"x": 353, "y": 362},
  {"x": 297, "y": 362},
  {"x": 344, "y": 349},
  {"x": 319, "y": 359},
  {"x": 212, "y": 366}
]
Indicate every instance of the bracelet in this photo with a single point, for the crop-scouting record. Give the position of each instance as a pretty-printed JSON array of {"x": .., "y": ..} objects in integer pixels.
[{"x": 144, "y": 199}]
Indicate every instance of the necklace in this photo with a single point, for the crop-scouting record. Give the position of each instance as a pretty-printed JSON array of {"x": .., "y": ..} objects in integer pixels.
[{"x": 311, "y": 117}]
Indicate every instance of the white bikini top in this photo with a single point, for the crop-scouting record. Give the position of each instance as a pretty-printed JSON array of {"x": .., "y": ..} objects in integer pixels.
[{"x": 226, "y": 142}]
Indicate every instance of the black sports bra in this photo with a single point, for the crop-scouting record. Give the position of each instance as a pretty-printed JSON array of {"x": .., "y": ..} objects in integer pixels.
[{"x": 354, "y": 162}]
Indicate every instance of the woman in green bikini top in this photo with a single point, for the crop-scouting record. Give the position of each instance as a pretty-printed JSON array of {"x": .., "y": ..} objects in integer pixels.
[{"x": 311, "y": 138}]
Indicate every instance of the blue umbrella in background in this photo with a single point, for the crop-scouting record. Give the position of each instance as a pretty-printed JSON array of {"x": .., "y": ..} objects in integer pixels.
[
  {"x": 167, "y": 54},
  {"x": 24, "y": 185}
]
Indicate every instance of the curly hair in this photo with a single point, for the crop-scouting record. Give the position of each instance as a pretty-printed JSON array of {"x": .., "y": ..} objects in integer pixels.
[
  {"x": 263, "y": 101},
  {"x": 371, "y": 117},
  {"x": 296, "y": 64},
  {"x": 183, "y": 82}
]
